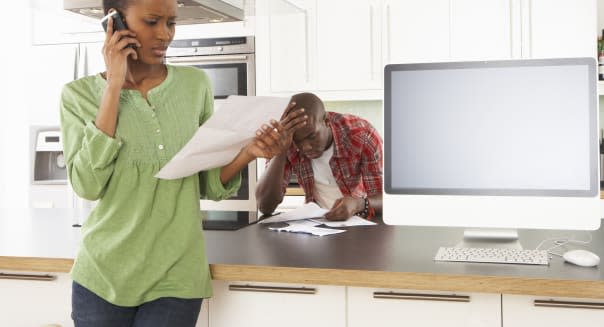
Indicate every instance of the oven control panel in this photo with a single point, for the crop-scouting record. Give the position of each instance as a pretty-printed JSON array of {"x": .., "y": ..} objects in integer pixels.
[{"x": 212, "y": 46}]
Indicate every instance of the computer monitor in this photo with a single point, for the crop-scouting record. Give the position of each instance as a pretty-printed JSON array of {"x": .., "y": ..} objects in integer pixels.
[{"x": 492, "y": 144}]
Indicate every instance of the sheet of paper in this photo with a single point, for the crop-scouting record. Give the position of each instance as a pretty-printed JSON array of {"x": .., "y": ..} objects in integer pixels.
[
  {"x": 308, "y": 210},
  {"x": 307, "y": 227},
  {"x": 352, "y": 221},
  {"x": 221, "y": 137}
]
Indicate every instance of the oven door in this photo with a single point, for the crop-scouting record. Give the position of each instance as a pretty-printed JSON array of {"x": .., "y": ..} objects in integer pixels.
[{"x": 230, "y": 75}]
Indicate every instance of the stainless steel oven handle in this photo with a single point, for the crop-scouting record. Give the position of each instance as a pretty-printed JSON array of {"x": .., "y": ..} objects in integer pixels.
[{"x": 208, "y": 59}]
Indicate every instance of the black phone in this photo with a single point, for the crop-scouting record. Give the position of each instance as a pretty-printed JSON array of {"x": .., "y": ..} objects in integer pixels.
[{"x": 118, "y": 21}]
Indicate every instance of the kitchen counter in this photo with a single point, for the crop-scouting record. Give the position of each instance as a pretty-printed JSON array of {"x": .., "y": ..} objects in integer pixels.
[{"x": 372, "y": 256}]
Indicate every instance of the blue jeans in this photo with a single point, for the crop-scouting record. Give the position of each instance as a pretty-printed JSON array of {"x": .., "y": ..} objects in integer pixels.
[{"x": 90, "y": 310}]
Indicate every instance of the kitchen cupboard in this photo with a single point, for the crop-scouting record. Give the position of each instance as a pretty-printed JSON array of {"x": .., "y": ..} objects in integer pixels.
[
  {"x": 559, "y": 28},
  {"x": 258, "y": 304},
  {"x": 35, "y": 302},
  {"x": 389, "y": 308},
  {"x": 337, "y": 49},
  {"x": 529, "y": 311}
]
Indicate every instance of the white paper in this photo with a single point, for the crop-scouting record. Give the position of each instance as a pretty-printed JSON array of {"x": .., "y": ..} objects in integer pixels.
[
  {"x": 308, "y": 210},
  {"x": 352, "y": 221},
  {"x": 220, "y": 138},
  {"x": 307, "y": 227}
]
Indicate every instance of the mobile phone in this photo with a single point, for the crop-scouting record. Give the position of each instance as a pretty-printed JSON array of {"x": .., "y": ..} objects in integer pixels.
[
  {"x": 118, "y": 21},
  {"x": 118, "y": 24}
]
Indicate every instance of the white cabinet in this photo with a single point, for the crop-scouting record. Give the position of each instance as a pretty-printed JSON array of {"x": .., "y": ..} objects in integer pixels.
[
  {"x": 559, "y": 28},
  {"x": 481, "y": 29},
  {"x": 203, "y": 320},
  {"x": 529, "y": 311},
  {"x": 338, "y": 48},
  {"x": 441, "y": 30},
  {"x": 415, "y": 31},
  {"x": 347, "y": 41},
  {"x": 385, "y": 308},
  {"x": 27, "y": 303},
  {"x": 262, "y": 304}
]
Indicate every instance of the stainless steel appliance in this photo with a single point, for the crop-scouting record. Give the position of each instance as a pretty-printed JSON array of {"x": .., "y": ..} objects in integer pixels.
[
  {"x": 229, "y": 62},
  {"x": 187, "y": 12}
]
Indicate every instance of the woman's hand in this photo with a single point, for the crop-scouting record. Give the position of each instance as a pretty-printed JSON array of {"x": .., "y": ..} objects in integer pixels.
[{"x": 116, "y": 52}]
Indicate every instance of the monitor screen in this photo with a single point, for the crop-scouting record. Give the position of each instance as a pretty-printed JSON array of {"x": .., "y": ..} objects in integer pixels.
[{"x": 508, "y": 144}]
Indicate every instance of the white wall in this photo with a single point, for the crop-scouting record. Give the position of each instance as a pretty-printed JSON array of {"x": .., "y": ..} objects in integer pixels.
[{"x": 14, "y": 133}]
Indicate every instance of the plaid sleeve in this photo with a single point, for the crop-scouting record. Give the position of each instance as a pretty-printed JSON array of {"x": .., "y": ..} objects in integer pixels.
[{"x": 372, "y": 163}]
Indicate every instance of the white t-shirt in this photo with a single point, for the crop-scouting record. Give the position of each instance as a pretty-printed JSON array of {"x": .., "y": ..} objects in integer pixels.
[{"x": 326, "y": 189}]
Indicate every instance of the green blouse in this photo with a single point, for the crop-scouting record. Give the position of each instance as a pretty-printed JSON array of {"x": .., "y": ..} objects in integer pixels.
[{"x": 143, "y": 240}]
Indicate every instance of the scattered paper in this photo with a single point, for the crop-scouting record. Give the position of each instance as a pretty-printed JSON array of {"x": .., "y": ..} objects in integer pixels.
[
  {"x": 308, "y": 210},
  {"x": 352, "y": 221},
  {"x": 307, "y": 227},
  {"x": 221, "y": 137}
]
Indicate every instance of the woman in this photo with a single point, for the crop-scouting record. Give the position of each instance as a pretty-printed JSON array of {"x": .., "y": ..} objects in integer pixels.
[{"x": 142, "y": 260}]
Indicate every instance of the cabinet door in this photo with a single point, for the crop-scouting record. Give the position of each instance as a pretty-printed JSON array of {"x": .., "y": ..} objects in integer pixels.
[
  {"x": 415, "y": 31},
  {"x": 481, "y": 29},
  {"x": 559, "y": 28},
  {"x": 421, "y": 309},
  {"x": 284, "y": 46},
  {"x": 26, "y": 303},
  {"x": 347, "y": 45},
  {"x": 523, "y": 311},
  {"x": 263, "y": 304}
]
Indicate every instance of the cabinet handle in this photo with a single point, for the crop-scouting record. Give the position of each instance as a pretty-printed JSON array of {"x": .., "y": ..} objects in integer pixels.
[
  {"x": 418, "y": 296},
  {"x": 208, "y": 59},
  {"x": 45, "y": 277},
  {"x": 273, "y": 289},
  {"x": 568, "y": 304}
]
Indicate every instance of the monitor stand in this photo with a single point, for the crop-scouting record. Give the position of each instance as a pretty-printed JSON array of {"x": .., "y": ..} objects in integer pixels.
[{"x": 490, "y": 238}]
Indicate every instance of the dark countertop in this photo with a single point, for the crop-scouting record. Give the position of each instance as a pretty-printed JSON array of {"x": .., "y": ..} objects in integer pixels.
[{"x": 373, "y": 256}]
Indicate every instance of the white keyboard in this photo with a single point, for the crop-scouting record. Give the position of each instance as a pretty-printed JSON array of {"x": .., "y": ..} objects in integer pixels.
[{"x": 493, "y": 255}]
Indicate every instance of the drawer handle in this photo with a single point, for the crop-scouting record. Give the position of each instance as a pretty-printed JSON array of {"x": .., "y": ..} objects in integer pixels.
[
  {"x": 568, "y": 304},
  {"x": 273, "y": 289},
  {"x": 45, "y": 277},
  {"x": 423, "y": 297}
]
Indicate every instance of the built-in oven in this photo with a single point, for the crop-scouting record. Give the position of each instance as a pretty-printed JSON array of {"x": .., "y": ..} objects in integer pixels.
[{"x": 229, "y": 62}]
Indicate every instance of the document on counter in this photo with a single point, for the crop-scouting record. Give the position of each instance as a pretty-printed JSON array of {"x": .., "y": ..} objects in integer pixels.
[
  {"x": 313, "y": 212},
  {"x": 306, "y": 211},
  {"x": 220, "y": 138},
  {"x": 307, "y": 227}
]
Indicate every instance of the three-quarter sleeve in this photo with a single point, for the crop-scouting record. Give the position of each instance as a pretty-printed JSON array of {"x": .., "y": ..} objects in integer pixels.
[{"x": 89, "y": 153}]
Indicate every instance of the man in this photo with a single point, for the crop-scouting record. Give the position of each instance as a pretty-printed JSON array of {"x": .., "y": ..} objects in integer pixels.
[{"x": 337, "y": 159}]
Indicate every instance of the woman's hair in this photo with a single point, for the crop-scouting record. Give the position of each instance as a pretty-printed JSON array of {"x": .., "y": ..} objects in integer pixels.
[{"x": 119, "y": 5}]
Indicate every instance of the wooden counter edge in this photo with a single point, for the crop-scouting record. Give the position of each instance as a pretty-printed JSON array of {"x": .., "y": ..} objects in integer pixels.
[
  {"x": 362, "y": 278},
  {"x": 413, "y": 281}
]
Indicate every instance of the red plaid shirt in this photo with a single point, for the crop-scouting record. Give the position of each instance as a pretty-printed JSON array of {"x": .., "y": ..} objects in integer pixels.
[{"x": 356, "y": 163}]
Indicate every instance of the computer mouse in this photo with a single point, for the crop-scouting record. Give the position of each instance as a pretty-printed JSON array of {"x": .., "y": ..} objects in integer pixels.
[{"x": 582, "y": 258}]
